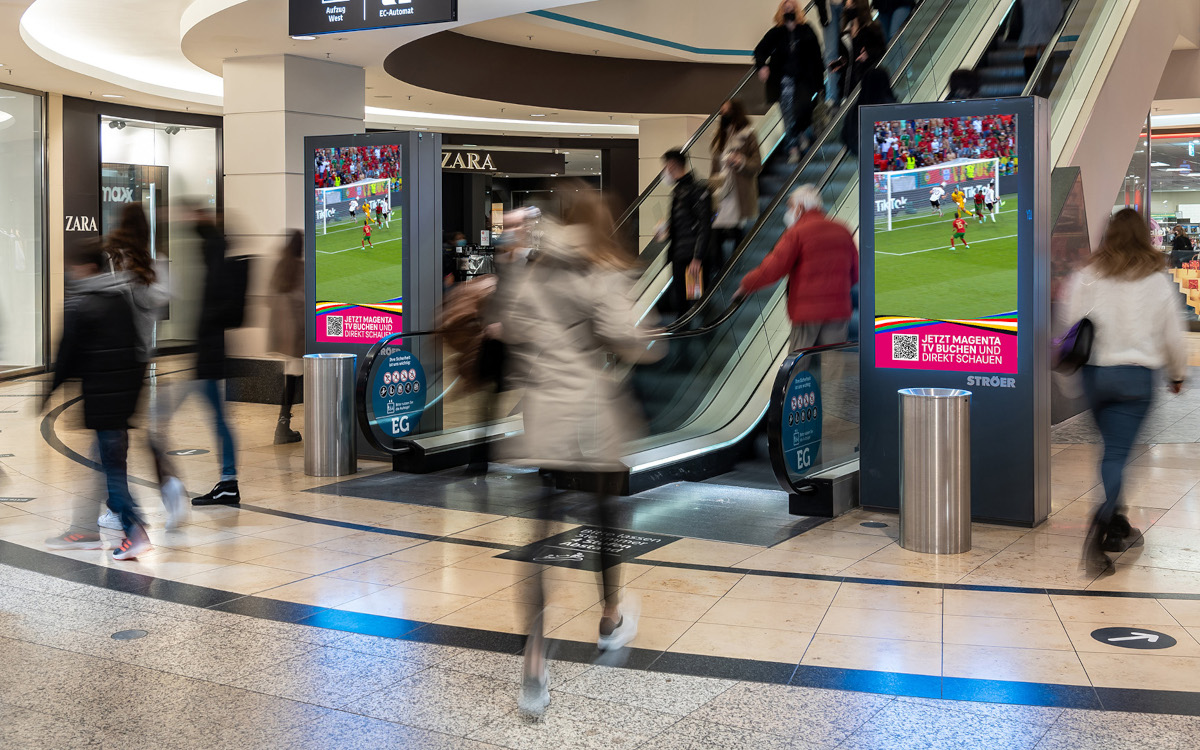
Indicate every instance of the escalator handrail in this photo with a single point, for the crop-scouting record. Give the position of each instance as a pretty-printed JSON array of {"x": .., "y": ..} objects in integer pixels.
[
  {"x": 695, "y": 137},
  {"x": 784, "y": 192},
  {"x": 1048, "y": 53}
]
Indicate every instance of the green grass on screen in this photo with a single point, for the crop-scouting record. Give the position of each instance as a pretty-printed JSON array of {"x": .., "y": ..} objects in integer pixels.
[
  {"x": 917, "y": 274},
  {"x": 352, "y": 274}
]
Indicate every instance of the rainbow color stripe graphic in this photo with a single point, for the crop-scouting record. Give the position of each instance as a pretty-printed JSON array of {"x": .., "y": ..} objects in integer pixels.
[{"x": 338, "y": 322}]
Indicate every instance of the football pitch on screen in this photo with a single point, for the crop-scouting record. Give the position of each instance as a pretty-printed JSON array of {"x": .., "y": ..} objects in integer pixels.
[
  {"x": 352, "y": 274},
  {"x": 918, "y": 275}
]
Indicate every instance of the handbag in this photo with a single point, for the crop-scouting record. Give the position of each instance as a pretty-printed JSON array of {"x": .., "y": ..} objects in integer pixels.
[{"x": 1074, "y": 348}]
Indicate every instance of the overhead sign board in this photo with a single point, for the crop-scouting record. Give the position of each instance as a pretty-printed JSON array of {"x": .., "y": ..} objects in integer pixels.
[
  {"x": 307, "y": 17},
  {"x": 515, "y": 162}
]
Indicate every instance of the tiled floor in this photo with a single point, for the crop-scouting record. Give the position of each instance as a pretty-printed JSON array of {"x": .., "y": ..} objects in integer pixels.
[{"x": 838, "y": 602}]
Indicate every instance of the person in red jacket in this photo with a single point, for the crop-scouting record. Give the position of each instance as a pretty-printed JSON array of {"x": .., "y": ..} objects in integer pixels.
[{"x": 820, "y": 260}]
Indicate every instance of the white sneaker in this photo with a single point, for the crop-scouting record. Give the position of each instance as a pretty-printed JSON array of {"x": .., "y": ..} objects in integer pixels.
[
  {"x": 110, "y": 520},
  {"x": 131, "y": 547},
  {"x": 174, "y": 498},
  {"x": 534, "y": 696},
  {"x": 621, "y": 635}
]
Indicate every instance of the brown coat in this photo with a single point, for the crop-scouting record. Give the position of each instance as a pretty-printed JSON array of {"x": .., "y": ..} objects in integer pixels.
[
  {"x": 285, "y": 334},
  {"x": 745, "y": 179}
]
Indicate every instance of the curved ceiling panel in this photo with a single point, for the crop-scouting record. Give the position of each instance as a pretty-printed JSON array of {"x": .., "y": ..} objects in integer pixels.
[{"x": 483, "y": 69}]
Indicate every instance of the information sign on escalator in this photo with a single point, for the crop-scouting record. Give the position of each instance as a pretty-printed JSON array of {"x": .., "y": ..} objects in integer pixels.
[
  {"x": 398, "y": 393},
  {"x": 801, "y": 423},
  {"x": 307, "y": 17}
]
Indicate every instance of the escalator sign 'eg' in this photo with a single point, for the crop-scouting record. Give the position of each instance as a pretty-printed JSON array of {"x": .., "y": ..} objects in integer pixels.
[
  {"x": 398, "y": 393},
  {"x": 801, "y": 423}
]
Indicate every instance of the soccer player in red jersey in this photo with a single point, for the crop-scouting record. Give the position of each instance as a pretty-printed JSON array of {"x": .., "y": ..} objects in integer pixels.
[
  {"x": 960, "y": 231},
  {"x": 366, "y": 240},
  {"x": 978, "y": 207}
]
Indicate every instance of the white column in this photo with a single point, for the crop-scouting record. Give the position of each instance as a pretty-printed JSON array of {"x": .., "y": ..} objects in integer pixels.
[
  {"x": 656, "y": 136},
  {"x": 271, "y": 104}
]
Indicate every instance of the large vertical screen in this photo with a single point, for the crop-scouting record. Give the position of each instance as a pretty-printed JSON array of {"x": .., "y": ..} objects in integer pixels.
[
  {"x": 945, "y": 195},
  {"x": 359, "y": 243}
]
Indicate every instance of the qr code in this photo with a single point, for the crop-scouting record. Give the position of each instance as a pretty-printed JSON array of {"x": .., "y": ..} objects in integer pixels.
[
  {"x": 904, "y": 347},
  {"x": 333, "y": 325}
]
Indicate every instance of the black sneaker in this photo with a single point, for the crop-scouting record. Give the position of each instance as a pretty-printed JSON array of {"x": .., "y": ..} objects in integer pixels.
[{"x": 225, "y": 493}]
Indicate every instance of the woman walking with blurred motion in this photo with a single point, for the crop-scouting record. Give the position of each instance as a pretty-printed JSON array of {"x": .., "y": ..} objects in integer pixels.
[
  {"x": 574, "y": 312},
  {"x": 129, "y": 248},
  {"x": 735, "y": 165},
  {"x": 287, "y": 329},
  {"x": 1133, "y": 308},
  {"x": 789, "y": 62}
]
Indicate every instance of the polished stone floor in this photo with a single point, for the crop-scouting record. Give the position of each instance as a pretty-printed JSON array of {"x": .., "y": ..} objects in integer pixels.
[
  {"x": 379, "y": 611},
  {"x": 202, "y": 678}
]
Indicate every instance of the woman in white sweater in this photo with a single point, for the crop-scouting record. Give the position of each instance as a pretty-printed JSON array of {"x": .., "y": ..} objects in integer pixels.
[{"x": 1126, "y": 294}]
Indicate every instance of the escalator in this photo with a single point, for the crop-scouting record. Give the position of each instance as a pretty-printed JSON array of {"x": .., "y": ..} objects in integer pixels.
[{"x": 706, "y": 398}]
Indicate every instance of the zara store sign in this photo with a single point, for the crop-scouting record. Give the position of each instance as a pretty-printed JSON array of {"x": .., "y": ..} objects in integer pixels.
[{"x": 507, "y": 162}]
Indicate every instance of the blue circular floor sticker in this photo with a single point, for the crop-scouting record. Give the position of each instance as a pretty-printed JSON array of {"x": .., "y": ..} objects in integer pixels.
[
  {"x": 802, "y": 423},
  {"x": 398, "y": 396}
]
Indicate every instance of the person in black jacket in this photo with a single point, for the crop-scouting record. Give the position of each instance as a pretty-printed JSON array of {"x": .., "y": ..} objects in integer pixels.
[
  {"x": 210, "y": 354},
  {"x": 689, "y": 226},
  {"x": 789, "y": 62},
  {"x": 868, "y": 47},
  {"x": 1181, "y": 248},
  {"x": 99, "y": 346}
]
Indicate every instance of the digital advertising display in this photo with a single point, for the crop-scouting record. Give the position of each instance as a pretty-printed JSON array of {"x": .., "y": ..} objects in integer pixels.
[
  {"x": 307, "y": 17},
  {"x": 955, "y": 219},
  {"x": 358, "y": 242},
  {"x": 945, "y": 214}
]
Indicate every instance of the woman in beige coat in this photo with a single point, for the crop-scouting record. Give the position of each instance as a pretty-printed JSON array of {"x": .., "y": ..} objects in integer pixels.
[
  {"x": 573, "y": 312},
  {"x": 735, "y": 166}
]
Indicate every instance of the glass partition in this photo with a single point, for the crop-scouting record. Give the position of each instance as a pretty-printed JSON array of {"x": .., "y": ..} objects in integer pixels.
[{"x": 22, "y": 240}]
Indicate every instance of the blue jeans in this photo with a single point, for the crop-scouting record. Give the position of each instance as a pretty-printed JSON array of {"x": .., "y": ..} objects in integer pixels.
[
  {"x": 114, "y": 456},
  {"x": 787, "y": 108},
  {"x": 832, "y": 78},
  {"x": 892, "y": 21},
  {"x": 1119, "y": 398},
  {"x": 211, "y": 389}
]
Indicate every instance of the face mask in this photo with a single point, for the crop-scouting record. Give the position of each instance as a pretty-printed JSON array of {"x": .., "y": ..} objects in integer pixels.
[
  {"x": 789, "y": 16},
  {"x": 789, "y": 217},
  {"x": 667, "y": 179},
  {"x": 461, "y": 243}
]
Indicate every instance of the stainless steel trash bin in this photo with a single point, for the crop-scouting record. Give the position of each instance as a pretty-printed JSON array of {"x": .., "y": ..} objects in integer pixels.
[
  {"x": 935, "y": 470},
  {"x": 330, "y": 437}
]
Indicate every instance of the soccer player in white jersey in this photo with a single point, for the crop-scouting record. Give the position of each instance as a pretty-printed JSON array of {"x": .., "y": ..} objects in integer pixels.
[
  {"x": 989, "y": 197},
  {"x": 354, "y": 208},
  {"x": 935, "y": 198}
]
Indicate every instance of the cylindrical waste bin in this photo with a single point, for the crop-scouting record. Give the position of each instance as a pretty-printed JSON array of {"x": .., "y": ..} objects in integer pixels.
[
  {"x": 935, "y": 470},
  {"x": 330, "y": 438}
]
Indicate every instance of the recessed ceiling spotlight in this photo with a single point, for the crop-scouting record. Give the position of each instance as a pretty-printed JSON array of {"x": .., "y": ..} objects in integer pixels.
[
  {"x": 303, "y": 38},
  {"x": 535, "y": 114},
  {"x": 113, "y": 96}
]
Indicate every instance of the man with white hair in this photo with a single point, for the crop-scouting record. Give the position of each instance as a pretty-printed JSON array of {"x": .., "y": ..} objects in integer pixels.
[{"x": 820, "y": 260}]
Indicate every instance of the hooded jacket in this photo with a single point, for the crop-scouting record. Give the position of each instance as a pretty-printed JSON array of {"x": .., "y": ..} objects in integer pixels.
[
  {"x": 99, "y": 346},
  {"x": 571, "y": 313}
]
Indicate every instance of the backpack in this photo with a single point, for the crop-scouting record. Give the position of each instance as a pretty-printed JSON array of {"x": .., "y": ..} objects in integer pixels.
[{"x": 235, "y": 278}]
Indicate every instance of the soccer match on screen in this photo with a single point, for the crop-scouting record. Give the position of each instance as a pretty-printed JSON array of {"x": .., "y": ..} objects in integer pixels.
[
  {"x": 945, "y": 222},
  {"x": 945, "y": 217},
  {"x": 359, "y": 232}
]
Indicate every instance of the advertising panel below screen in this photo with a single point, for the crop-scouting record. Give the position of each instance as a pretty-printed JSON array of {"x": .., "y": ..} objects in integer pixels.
[{"x": 945, "y": 209}]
